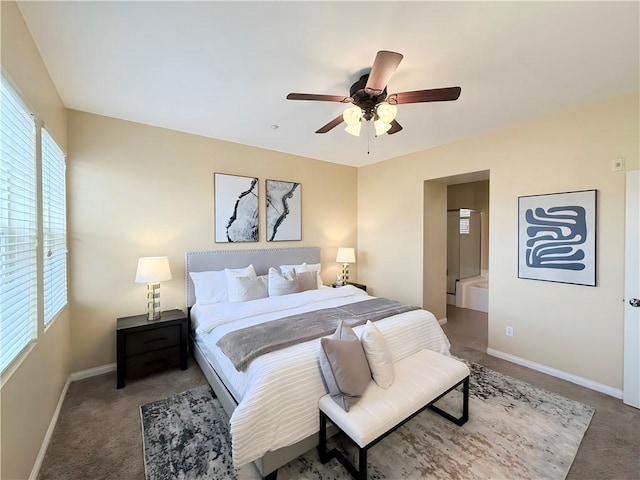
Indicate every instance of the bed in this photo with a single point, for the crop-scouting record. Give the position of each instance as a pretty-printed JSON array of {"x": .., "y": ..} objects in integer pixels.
[{"x": 272, "y": 403}]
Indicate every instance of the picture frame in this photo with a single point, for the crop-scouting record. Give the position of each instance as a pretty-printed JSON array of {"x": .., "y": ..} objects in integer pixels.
[
  {"x": 557, "y": 237},
  {"x": 284, "y": 211},
  {"x": 235, "y": 208}
]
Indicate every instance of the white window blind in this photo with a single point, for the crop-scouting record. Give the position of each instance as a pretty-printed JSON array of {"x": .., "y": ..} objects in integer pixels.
[
  {"x": 18, "y": 226},
  {"x": 54, "y": 228},
  {"x": 465, "y": 225}
]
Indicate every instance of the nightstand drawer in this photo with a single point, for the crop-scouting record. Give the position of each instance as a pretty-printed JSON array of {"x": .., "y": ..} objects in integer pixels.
[
  {"x": 145, "y": 346},
  {"x": 154, "y": 339},
  {"x": 153, "y": 361}
]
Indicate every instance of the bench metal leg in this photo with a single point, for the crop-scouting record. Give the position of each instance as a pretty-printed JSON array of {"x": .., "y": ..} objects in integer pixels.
[
  {"x": 358, "y": 474},
  {"x": 362, "y": 463},
  {"x": 322, "y": 443},
  {"x": 465, "y": 406},
  {"x": 325, "y": 456},
  {"x": 361, "y": 473}
]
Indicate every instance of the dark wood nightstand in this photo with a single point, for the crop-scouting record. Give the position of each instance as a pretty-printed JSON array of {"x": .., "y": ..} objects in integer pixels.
[
  {"x": 146, "y": 346},
  {"x": 357, "y": 285}
]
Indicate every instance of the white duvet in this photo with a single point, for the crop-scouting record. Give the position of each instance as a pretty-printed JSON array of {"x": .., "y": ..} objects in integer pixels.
[{"x": 279, "y": 392}]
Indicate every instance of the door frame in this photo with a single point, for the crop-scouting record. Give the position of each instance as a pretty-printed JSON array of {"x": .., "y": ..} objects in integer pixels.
[{"x": 631, "y": 383}]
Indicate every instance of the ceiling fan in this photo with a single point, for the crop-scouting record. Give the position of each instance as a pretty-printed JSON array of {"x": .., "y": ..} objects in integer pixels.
[{"x": 371, "y": 102}]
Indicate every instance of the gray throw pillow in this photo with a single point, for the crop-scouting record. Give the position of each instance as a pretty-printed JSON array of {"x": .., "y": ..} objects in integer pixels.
[
  {"x": 344, "y": 366},
  {"x": 307, "y": 281}
]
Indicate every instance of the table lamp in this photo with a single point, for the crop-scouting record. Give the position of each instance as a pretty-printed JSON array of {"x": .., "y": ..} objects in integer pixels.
[
  {"x": 152, "y": 271},
  {"x": 345, "y": 256}
]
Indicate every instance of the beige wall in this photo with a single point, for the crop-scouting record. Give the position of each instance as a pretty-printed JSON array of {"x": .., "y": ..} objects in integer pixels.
[
  {"x": 31, "y": 387},
  {"x": 137, "y": 190},
  {"x": 575, "y": 329},
  {"x": 435, "y": 247}
]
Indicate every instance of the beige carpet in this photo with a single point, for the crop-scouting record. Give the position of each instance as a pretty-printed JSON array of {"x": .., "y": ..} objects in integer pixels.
[{"x": 98, "y": 432}]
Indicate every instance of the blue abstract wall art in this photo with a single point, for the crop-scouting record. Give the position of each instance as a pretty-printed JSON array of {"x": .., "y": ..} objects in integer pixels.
[
  {"x": 557, "y": 237},
  {"x": 236, "y": 208}
]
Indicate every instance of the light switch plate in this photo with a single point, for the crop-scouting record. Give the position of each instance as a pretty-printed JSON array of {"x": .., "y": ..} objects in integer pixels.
[{"x": 617, "y": 164}]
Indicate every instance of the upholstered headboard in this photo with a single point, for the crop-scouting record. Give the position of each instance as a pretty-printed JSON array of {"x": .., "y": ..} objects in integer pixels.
[{"x": 261, "y": 259}]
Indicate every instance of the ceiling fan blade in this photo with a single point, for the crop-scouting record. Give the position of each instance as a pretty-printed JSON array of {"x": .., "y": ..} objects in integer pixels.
[
  {"x": 320, "y": 98},
  {"x": 395, "y": 128},
  {"x": 331, "y": 125},
  {"x": 432, "y": 95},
  {"x": 383, "y": 67}
]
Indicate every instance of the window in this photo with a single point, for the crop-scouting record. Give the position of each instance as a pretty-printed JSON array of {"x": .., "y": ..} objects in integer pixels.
[
  {"x": 465, "y": 226},
  {"x": 18, "y": 227},
  {"x": 54, "y": 228},
  {"x": 30, "y": 233}
]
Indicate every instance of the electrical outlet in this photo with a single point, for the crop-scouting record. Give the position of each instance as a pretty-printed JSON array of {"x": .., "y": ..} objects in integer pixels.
[{"x": 509, "y": 331}]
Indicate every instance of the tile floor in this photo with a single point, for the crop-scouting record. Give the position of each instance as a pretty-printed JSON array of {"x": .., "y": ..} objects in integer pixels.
[{"x": 466, "y": 328}]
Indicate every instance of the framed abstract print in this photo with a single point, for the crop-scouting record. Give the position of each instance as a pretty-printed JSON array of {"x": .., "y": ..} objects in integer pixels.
[
  {"x": 235, "y": 208},
  {"x": 284, "y": 219},
  {"x": 557, "y": 237}
]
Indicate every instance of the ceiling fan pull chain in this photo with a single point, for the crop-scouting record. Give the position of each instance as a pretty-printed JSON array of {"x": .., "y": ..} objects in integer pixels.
[{"x": 368, "y": 139}]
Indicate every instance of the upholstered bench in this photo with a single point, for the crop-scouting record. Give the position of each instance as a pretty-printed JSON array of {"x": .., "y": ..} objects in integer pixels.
[{"x": 420, "y": 380}]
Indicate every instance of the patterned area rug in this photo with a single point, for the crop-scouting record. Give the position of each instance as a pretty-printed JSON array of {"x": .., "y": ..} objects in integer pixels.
[{"x": 515, "y": 431}]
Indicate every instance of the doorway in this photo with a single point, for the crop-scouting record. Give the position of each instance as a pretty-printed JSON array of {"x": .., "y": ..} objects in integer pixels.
[
  {"x": 464, "y": 250},
  {"x": 458, "y": 205},
  {"x": 468, "y": 245}
]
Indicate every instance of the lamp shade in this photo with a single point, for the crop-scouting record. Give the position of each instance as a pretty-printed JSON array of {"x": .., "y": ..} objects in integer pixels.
[
  {"x": 386, "y": 112},
  {"x": 352, "y": 115},
  {"x": 153, "y": 270},
  {"x": 346, "y": 255},
  {"x": 353, "y": 129},
  {"x": 381, "y": 127}
]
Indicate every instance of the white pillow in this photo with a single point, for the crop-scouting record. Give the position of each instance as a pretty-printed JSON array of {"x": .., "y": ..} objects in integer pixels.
[
  {"x": 304, "y": 267},
  {"x": 378, "y": 355},
  {"x": 297, "y": 268},
  {"x": 243, "y": 289},
  {"x": 230, "y": 274},
  {"x": 210, "y": 287},
  {"x": 282, "y": 284}
]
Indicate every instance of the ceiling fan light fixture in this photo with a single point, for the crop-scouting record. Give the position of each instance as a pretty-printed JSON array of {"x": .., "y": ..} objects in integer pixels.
[
  {"x": 386, "y": 112},
  {"x": 354, "y": 129},
  {"x": 352, "y": 115},
  {"x": 381, "y": 127},
  {"x": 371, "y": 101}
]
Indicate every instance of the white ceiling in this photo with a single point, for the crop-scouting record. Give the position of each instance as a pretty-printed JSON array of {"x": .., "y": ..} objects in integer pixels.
[{"x": 223, "y": 69}]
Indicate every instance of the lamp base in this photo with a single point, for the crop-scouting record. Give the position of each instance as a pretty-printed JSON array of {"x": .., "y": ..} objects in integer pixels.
[
  {"x": 153, "y": 301},
  {"x": 344, "y": 278}
]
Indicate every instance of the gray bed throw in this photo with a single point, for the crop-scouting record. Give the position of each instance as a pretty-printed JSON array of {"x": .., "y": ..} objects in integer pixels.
[{"x": 242, "y": 346}]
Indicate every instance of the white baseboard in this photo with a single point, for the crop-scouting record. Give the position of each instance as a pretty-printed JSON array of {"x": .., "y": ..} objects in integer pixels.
[
  {"x": 442, "y": 321},
  {"x": 583, "y": 382},
  {"x": 92, "y": 372},
  {"x": 47, "y": 437}
]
